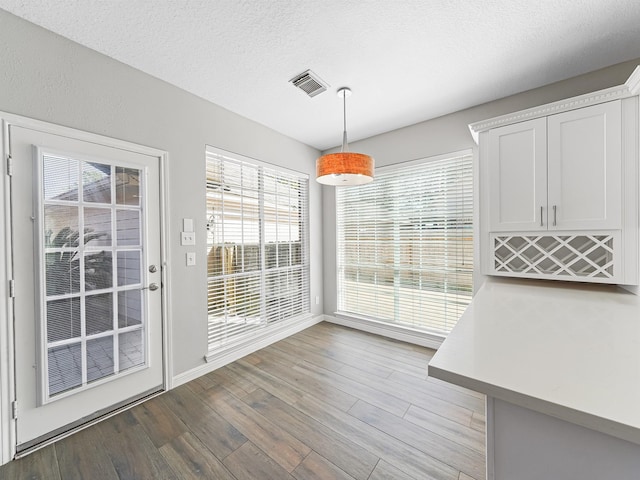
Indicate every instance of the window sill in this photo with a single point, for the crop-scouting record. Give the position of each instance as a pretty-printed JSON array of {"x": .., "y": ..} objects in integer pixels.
[{"x": 397, "y": 332}]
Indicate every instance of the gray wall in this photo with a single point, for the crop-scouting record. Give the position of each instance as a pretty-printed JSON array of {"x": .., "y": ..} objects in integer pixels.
[
  {"x": 50, "y": 78},
  {"x": 450, "y": 133},
  {"x": 47, "y": 77}
]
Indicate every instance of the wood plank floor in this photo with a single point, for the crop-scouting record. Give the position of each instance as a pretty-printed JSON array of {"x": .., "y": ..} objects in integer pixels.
[{"x": 327, "y": 403}]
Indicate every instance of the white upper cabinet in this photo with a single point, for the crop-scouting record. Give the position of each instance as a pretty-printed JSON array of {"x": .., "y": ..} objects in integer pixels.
[
  {"x": 585, "y": 168},
  {"x": 559, "y": 187},
  {"x": 562, "y": 172},
  {"x": 518, "y": 176}
]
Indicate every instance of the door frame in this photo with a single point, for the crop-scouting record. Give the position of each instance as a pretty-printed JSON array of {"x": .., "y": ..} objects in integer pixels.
[{"x": 8, "y": 437}]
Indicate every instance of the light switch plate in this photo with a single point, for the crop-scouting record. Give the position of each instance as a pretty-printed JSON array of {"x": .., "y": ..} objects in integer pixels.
[
  {"x": 187, "y": 238},
  {"x": 191, "y": 259},
  {"x": 187, "y": 224}
]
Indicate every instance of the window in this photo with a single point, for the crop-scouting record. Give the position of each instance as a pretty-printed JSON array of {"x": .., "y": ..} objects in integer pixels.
[
  {"x": 257, "y": 242},
  {"x": 405, "y": 244}
]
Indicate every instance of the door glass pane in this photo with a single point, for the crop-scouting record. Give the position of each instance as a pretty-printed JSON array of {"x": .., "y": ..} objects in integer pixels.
[
  {"x": 128, "y": 227},
  {"x": 61, "y": 178},
  {"x": 65, "y": 368},
  {"x": 63, "y": 319},
  {"x": 129, "y": 308},
  {"x": 96, "y": 182},
  {"x": 129, "y": 267},
  {"x": 98, "y": 270},
  {"x": 62, "y": 270},
  {"x": 127, "y": 186},
  {"x": 99, "y": 358},
  {"x": 99, "y": 313},
  {"x": 97, "y": 226},
  {"x": 61, "y": 226},
  {"x": 131, "y": 350},
  {"x": 61, "y": 242}
]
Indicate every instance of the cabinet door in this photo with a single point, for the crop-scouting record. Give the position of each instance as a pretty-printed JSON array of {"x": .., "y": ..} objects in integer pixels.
[
  {"x": 585, "y": 162},
  {"x": 517, "y": 159}
]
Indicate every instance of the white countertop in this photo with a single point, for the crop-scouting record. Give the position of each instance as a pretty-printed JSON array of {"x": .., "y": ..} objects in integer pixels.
[{"x": 569, "y": 351}]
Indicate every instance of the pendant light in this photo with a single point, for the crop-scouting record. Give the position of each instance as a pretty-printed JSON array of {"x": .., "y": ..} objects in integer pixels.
[{"x": 344, "y": 168}]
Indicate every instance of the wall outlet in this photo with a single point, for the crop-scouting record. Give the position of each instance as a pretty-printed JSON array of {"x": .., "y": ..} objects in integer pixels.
[
  {"x": 191, "y": 259},
  {"x": 187, "y": 238},
  {"x": 317, "y": 299}
]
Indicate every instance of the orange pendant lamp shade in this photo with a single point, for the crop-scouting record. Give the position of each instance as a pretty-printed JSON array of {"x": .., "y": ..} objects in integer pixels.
[{"x": 344, "y": 168}]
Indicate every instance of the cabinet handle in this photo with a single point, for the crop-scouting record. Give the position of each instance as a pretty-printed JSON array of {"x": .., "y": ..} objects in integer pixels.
[
  {"x": 554, "y": 215},
  {"x": 541, "y": 224}
]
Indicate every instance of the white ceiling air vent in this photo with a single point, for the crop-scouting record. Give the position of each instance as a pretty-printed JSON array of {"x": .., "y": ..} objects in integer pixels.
[{"x": 309, "y": 83}]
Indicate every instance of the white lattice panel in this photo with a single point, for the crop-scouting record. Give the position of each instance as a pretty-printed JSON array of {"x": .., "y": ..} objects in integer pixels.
[{"x": 570, "y": 257}]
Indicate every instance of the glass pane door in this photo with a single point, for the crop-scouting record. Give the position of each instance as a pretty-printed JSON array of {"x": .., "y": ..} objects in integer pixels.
[{"x": 87, "y": 264}]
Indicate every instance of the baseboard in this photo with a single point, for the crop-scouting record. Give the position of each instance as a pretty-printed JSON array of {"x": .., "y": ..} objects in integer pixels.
[
  {"x": 230, "y": 355},
  {"x": 391, "y": 331}
]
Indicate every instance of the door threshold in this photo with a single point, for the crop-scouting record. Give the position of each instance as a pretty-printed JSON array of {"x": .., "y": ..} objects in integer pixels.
[{"x": 63, "y": 432}]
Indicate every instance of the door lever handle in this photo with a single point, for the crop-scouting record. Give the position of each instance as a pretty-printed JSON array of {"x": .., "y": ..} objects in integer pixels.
[{"x": 153, "y": 287}]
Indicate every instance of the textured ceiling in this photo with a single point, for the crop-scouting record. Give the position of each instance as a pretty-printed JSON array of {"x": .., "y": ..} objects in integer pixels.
[{"x": 405, "y": 60}]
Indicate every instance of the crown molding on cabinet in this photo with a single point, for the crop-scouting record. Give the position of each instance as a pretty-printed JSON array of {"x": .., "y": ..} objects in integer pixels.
[
  {"x": 633, "y": 82},
  {"x": 629, "y": 88}
]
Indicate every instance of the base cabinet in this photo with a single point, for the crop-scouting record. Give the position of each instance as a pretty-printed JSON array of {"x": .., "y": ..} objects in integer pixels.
[{"x": 526, "y": 445}]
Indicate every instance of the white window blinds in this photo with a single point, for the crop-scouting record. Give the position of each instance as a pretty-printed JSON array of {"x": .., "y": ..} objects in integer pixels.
[
  {"x": 257, "y": 242},
  {"x": 405, "y": 244}
]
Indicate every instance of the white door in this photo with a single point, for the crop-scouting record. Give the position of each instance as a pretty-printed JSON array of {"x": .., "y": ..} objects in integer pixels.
[
  {"x": 518, "y": 177},
  {"x": 86, "y": 262},
  {"x": 585, "y": 168}
]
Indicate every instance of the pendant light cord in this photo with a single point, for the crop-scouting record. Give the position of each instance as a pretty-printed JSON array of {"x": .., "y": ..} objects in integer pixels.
[{"x": 345, "y": 145}]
